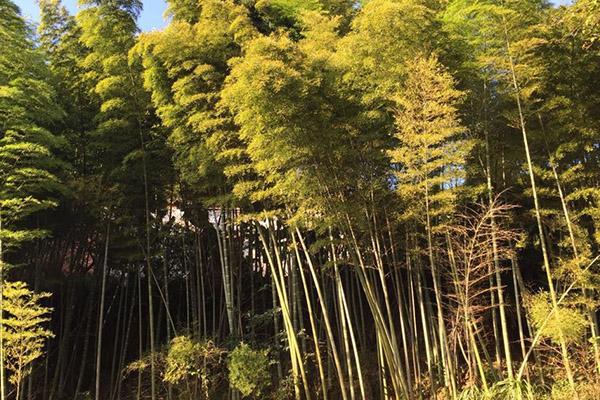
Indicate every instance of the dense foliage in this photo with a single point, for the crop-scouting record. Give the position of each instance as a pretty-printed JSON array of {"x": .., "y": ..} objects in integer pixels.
[{"x": 276, "y": 199}]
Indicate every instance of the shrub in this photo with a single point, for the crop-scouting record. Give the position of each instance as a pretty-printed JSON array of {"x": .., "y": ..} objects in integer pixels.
[
  {"x": 188, "y": 360},
  {"x": 182, "y": 360},
  {"x": 570, "y": 320},
  {"x": 249, "y": 370},
  {"x": 24, "y": 334},
  {"x": 561, "y": 390}
]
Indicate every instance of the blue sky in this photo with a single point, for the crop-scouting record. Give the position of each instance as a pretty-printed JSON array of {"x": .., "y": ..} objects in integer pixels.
[{"x": 151, "y": 18}]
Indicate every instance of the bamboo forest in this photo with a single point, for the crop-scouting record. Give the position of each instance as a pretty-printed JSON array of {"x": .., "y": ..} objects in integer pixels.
[{"x": 300, "y": 199}]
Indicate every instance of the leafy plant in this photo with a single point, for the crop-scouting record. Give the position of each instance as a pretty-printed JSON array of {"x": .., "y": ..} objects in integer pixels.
[
  {"x": 570, "y": 321},
  {"x": 189, "y": 366},
  {"x": 249, "y": 370},
  {"x": 23, "y": 333},
  {"x": 181, "y": 360},
  {"x": 187, "y": 359}
]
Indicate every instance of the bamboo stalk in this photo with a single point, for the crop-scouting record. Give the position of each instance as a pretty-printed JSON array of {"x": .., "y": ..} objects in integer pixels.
[
  {"x": 538, "y": 216},
  {"x": 101, "y": 315}
]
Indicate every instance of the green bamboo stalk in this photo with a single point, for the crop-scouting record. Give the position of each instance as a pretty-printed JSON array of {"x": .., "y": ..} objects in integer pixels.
[
  {"x": 322, "y": 300},
  {"x": 538, "y": 215},
  {"x": 313, "y": 324}
]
